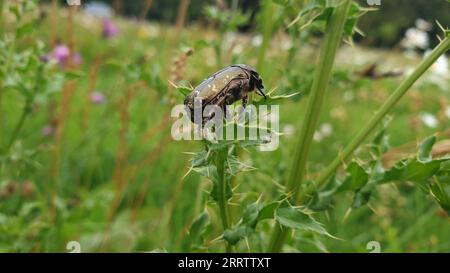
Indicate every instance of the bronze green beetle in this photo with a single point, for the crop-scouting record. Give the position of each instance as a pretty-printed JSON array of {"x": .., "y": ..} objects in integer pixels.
[{"x": 225, "y": 87}]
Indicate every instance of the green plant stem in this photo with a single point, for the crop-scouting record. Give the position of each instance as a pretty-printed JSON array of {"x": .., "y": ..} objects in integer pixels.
[
  {"x": 322, "y": 76},
  {"x": 267, "y": 26},
  {"x": 2, "y": 4},
  {"x": 26, "y": 110},
  {"x": 1, "y": 102},
  {"x": 380, "y": 114},
  {"x": 220, "y": 162}
]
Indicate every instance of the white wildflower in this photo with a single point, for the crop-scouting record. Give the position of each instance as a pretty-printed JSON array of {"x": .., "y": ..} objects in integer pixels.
[
  {"x": 288, "y": 130},
  {"x": 440, "y": 67},
  {"x": 429, "y": 120},
  {"x": 257, "y": 40},
  {"x": 317, "y": 137},
  {"x": 447, "y": 112},
  {"x": 238, "y": 49},
  {"x": 423, "y": 25},
  {"x": 415, "y": 38},
  {"x": 326, "y": 129},
  {"x": 440, "y": 73},
  {"x": 348, "y": 96},
  {"x": 286, "y": 44},
  {"x": 229, "y": 38},
  {"x": 410, "y": 54}
]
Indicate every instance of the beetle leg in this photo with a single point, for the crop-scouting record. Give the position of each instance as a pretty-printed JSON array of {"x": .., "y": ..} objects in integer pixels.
[
  {"x": 244, "y": 100},
  {"x": 227, "y": 113}
]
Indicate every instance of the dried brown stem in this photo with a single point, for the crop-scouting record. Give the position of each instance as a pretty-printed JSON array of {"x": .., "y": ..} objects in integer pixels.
[
  {"x": 181, "y": 17},
  {"x": 93, "y": 74},
  {"x": 147, "y": 5}
]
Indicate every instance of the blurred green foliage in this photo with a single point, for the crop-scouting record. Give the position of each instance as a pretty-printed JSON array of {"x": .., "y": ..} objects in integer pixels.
[
  {"x": 386, "y": 26},
  {"x": 383, "y": 28},
  {"x": 114, "y": 180}
]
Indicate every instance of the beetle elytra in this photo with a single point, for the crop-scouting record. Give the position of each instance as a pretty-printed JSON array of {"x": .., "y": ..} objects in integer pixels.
[{"x": 225, "y": 87}]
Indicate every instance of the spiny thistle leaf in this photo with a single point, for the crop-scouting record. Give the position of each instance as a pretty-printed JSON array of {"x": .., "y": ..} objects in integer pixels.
[
  {"x": 321, "y": 200},
  {"x": 441, "y": 193},
  {"x": 184, "y": 90},
  {"x": 363, "y": 180},
  {"x": 357, "y": 177},
  {"x": 424, "y": 154},
  {"x": 253, "y": 214},
  {"x": 297, "y": 218},
  {"x": 196, "y": 232}
]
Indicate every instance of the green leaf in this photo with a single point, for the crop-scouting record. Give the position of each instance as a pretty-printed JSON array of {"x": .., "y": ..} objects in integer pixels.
[
  {"x": 380, "y": 143},
  {"x": 296, "y": 218},
  {"x": 355, "y": 12},
  {"x": 268, "y": 211},
  {"x": 25, "y": 29},
  {"x": 357, "y": 177},
  {"x": 198, "y": 226},
  {"x": 208, "y": 171},
  {"x": 425, "y": 149},
  {"x": 250, "y": 215},
  {"x": 412, "y": 170},
  {"x": 254, "y": 213},
  {"x": 441, "y": 193},
  {"x": 234, "y": 235},
  {"x": 184, "y": 90},
  {"x": 200, "y": 159},
  {"x": 115, "y": 64},
  {"x": 196, "y": 231},
  {"x": 443, "y": 175},
  {"x": 235, "y": 166},
  {"x": 14, "y": 9},
  {"x": 245, "y": 226},
  {"x": 275, "y": 99},
  {"x": 321, "y": 199},
  {"x": 283, "y": 3},
  {"x": 74, "y": 74},
  {"x": 362, "y": 196}
]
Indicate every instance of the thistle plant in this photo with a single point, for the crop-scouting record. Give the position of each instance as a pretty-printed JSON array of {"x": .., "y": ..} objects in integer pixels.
[
  {"x": 219, "y": 163},
  {"x": 331, "y": 42},
  {"x": 25, "y": 71},
  {"x": 360, "y": 179},
  {"x": 302, "y": 197}
]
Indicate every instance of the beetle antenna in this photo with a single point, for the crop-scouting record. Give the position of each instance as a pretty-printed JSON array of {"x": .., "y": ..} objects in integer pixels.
[
  {"x": 255, "y": 77},
  {"x": 262, "y": 93}
]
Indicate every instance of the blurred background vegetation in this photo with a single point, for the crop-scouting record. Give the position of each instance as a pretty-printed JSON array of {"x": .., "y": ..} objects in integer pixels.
[
  {"x": 94, "y": 161},
  {"x": 382, "y": 29}
]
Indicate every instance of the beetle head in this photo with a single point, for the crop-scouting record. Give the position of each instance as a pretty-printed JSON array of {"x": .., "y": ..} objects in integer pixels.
[
  {"x": 255, "y": 79},
  {"x": 256, "y": 83}
]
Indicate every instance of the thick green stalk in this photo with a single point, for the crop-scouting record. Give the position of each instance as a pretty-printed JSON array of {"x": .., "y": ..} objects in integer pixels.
[
  {"x": 322, "y": 76},
  {"x": 220, "y": 162},
  {"x": 380, "y": 114}
]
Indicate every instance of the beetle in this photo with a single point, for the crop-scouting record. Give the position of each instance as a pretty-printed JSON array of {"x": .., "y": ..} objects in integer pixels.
[{"x": 225, "y": 87}]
